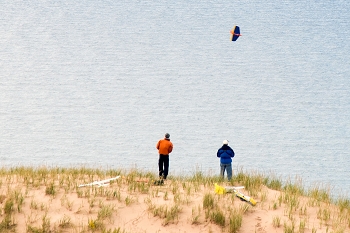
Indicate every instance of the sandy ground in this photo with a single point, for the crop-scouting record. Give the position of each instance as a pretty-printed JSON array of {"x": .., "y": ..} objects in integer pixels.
[{"x": 132, "y": 207}]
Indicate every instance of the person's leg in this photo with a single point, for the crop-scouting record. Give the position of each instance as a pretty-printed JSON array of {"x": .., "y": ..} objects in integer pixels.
[
  {"x": 160, "y": 165},
  {"x": 222, "y": 170},
  {"x": 229, "y": 171},
  {"x": 166, "y": 166}
]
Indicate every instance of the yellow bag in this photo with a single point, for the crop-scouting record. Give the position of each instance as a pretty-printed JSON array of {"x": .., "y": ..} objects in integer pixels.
[{"x": 219, "y": 189}]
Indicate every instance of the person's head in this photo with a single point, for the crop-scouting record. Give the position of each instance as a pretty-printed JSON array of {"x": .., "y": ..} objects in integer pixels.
[
  {"x": 167, "y": 136},
  {"x": 225, "y": 142}
]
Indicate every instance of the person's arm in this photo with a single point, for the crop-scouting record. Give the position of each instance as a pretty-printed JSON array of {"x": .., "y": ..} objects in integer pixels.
[
  {"x": 158, "y": 144},
  {"x": 170, "y": 148},
  {"x": 233, "y": 153}
]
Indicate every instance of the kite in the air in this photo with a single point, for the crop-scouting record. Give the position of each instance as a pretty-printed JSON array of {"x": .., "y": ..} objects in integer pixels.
[{"x": 235, "y": 33}]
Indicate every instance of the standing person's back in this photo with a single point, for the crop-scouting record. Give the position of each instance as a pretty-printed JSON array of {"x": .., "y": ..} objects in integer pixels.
[
  {"x": 225, "y": 153},
  {"x": 165, "y": 147}
]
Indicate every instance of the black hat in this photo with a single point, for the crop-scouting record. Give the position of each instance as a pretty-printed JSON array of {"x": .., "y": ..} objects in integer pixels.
[{"x": 167, "y": 135}]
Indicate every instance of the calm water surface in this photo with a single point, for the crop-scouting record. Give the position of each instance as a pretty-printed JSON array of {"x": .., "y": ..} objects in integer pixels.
[{"x": 98, "y": 83}]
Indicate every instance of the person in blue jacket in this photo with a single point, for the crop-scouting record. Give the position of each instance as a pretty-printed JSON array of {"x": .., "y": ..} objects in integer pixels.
[{"x": 225, "y": 153}]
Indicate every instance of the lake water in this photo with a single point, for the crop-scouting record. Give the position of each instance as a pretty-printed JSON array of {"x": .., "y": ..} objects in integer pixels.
[{"x": 98, "y": 83}]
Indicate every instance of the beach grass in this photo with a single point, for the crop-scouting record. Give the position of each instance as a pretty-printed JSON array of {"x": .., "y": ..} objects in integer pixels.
[{"x": 49, "y": 199}]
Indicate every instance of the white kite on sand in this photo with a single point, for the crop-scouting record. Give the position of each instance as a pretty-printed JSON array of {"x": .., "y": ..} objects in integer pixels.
[{"x": 100, "y": 183}]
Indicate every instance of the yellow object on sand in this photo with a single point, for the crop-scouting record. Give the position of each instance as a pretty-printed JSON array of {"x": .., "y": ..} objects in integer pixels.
[
  {"x": 219, "y": 189},
  {"x": 245, "y": 198},
  {"x": 222, "y": 190},
  {"x": 252, "y": 201}
]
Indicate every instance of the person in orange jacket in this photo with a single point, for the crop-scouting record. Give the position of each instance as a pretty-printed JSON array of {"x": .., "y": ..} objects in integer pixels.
[{"x": 165, "y": 147}]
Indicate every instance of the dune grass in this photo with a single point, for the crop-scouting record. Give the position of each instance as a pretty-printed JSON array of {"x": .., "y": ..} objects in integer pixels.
[{"x": 100, "y": 203}]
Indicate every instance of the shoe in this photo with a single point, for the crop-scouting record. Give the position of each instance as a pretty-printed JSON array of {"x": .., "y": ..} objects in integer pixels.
[{"x": 158, "y": 182}]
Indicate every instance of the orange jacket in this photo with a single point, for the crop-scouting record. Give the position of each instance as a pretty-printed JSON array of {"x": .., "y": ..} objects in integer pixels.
[{"x": 164, "y": 146}]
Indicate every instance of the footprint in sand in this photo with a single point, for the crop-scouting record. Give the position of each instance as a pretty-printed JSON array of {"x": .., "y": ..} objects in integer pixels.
[{"x": 258, "y": 225}]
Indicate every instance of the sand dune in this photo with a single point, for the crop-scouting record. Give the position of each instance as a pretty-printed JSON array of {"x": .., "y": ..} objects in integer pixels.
[{"x": 50, "y": 200}]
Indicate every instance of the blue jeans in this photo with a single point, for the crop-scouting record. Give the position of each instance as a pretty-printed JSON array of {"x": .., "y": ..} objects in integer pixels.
[{"x": 228, "y": 168}]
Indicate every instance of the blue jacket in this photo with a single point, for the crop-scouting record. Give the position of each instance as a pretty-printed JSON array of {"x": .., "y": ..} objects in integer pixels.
[{"x": 225, "y": 153}]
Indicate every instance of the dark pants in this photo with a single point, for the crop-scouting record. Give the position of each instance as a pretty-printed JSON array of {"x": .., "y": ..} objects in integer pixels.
[{"x": 163, "y": 164}]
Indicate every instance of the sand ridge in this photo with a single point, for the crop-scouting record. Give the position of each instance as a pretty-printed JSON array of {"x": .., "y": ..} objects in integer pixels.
[{"x": 56, "y": 203}]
